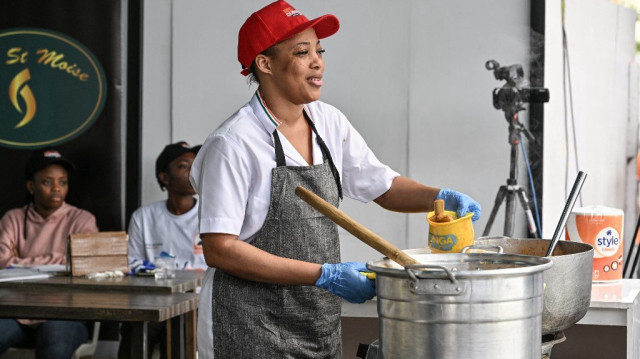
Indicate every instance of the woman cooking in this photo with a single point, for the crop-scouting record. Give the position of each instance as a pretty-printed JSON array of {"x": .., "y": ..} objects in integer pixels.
[{"x": 279, "y": 282}]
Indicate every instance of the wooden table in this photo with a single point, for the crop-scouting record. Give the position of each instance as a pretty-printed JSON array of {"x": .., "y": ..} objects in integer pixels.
[
  {"x": 184, "y": 281},
  {"x": 75, "y": 304},
  {"x": 134, "y": 299}
]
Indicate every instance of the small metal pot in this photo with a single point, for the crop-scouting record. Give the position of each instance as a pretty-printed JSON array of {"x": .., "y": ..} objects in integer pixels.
[
  {"x": 567, "y": 293},
  {"x": 460, "y": 305}
]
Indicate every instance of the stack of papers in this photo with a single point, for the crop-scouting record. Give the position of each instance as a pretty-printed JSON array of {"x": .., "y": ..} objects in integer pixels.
[
  {"x": 14, "y": 274},
  {"x": 49, "y": 268}
]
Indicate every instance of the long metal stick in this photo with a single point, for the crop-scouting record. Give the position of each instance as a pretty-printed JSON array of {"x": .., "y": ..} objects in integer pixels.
[
  {"x": 629, "y": 261},
  {"x": 575, "y": 191}
]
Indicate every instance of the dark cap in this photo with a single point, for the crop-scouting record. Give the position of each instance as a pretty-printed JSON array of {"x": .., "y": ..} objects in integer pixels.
[
  {"x": 43, "y": 157},
  {"x": 170, "y": 153}
]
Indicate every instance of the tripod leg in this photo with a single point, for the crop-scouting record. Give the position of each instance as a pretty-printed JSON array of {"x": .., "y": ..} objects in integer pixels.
[
  {"x": 527, "y": 209},
  {"x": 510, "y": 212},
  {"x": 496, "y": 205}
]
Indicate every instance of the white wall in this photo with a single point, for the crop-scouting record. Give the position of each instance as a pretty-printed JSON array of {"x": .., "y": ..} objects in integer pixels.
[
  {"x": 156, "y": 91},
  {"x": 601, "y": 46},
  {"x": 457, "y": 139},
  {"x": 409, "y": 75},
  {"x": 410, "y": 78}
]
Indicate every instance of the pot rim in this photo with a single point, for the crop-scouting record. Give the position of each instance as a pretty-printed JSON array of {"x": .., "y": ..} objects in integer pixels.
[
  {"x": 432, "y": 263},
  {"x": 581, "y": 246}
]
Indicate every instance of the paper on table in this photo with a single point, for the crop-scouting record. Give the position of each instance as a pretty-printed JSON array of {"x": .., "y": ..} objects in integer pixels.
[
  {"x": 51, "y": 268},
  {"x": 12, "y": 274}
]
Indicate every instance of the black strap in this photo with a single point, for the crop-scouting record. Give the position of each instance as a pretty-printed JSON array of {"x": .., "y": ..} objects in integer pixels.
[
  {"x": 326, "y": 155},
  {"x": 280, "y": 161}
]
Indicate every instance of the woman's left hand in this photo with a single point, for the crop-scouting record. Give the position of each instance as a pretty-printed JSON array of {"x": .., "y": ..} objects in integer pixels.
[{"x": 347, "y": 281}]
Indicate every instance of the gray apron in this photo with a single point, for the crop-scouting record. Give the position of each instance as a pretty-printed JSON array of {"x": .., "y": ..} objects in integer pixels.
[{"x": 258, "y": 320}]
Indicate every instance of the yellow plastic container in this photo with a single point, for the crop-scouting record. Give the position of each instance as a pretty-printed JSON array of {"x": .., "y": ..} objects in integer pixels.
[{"x": 450, "y": 237}]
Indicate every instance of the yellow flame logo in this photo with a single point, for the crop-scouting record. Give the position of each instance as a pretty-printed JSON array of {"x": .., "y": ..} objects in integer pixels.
[{"x": 18, "y": 86}]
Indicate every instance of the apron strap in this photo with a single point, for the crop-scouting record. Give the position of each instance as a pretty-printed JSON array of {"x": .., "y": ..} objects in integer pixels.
[
  {"x": 280, "y": 161},
  {"x": 326, "y": 155}
]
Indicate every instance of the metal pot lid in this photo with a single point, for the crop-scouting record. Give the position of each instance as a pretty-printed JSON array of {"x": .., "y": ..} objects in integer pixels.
[{"x": 463, "y": 265}]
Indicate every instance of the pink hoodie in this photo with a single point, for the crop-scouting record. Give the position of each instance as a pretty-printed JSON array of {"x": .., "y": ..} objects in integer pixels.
[{"x": 46, "y": 241}]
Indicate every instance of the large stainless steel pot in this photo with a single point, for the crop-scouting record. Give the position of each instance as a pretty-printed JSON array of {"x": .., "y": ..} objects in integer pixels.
[
  {"x": 567, "y": 293},
  {"x": 460, "y": 306}
]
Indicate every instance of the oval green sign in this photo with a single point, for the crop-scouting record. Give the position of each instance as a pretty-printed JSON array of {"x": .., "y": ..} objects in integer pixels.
[{"x": 52, "y": 88}]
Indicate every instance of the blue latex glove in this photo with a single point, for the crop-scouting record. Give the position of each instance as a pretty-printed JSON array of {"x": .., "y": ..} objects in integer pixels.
[
  {"x": 346, "y": 281},
  {"x": 140, "y": 266},
  {"x": 460, "y": 203}
]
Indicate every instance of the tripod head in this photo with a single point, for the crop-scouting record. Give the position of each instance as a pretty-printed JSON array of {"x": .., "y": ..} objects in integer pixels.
[{"x": 511, "y": 97}]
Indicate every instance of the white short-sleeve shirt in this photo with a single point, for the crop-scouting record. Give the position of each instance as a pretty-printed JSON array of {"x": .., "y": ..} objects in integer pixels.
[
  {"x": 153, "y": 229},
  {"x": 232, "y": 171}
]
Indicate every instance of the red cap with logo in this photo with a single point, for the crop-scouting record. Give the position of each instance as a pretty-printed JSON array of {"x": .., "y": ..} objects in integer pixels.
[{"x": 274, "y": 23}]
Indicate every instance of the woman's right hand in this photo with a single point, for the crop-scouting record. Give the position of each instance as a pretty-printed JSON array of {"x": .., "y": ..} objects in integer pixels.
[
  {"x": 460, "y": 203},
  {"x": 346, "y": 281}
]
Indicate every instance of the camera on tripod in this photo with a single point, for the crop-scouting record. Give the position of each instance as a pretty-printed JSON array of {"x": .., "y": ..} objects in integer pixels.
[{"x": 511, "y": 97}]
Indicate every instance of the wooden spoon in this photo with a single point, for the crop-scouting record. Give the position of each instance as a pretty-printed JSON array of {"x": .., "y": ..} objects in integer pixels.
[
  {"x": 440, "y": 216},
  {"x": 340, "y": 218}
]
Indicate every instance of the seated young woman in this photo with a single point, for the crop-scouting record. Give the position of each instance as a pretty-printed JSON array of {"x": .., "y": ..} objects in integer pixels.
[{"x": 37, "y": 234}]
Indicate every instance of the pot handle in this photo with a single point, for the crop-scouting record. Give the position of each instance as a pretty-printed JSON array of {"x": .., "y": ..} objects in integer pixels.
[
  {"x": 484, "y": 247},
  {"x": 434, "y": 286}
]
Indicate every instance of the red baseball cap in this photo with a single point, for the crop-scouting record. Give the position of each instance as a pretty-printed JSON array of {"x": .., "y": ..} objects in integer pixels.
[{"x": 274, "y": 23}]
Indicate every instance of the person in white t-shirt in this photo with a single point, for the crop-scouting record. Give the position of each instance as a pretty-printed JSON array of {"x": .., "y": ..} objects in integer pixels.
[{"x": 169, "y": 225}]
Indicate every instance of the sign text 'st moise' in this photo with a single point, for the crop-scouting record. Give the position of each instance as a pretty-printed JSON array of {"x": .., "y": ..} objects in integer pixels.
[{"x": 52, "y": 88}]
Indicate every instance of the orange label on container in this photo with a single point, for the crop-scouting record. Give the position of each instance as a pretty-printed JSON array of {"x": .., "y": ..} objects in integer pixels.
[{"x": 603, "y": 230}]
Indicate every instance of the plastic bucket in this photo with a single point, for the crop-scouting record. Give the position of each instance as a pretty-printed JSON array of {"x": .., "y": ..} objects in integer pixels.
[
  {"x": 450, "y": 237},
  {"x": 602, "y": 227}
]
